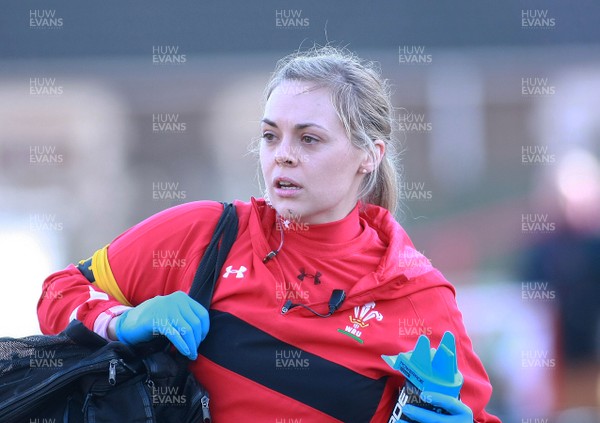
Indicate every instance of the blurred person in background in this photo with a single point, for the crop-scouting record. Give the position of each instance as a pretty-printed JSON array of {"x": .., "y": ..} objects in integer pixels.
[
  {"x": 281, "y": 345},
  {"x": 568, "y": 260}
]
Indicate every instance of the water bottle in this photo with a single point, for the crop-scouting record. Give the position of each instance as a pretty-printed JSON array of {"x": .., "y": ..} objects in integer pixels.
[{"x": 426, "y": 369}]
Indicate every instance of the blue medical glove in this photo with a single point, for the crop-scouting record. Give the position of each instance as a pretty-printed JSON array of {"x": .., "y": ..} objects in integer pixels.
[
  {"x": 459, "y": 412},
  {"x": 177, "y": 316}
]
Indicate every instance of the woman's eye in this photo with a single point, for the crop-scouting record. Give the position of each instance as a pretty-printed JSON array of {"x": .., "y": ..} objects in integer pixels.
[
  {"x": 267, "y": 136},
  {"x": 307, "y": 139}
]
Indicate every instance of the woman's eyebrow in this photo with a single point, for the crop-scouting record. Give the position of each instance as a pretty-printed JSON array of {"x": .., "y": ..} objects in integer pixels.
[
  {"x": 296, "y": 126},
  {"x": 269, "y": 122},
  {"x": 309, "y": 124}
]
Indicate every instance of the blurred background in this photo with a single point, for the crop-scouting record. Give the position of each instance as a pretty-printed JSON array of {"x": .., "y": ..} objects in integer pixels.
[{"x": 111, "y": 112}]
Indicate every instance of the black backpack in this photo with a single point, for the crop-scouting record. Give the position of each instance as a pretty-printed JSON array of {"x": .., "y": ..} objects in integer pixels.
[{"x": 78, "y": 376}]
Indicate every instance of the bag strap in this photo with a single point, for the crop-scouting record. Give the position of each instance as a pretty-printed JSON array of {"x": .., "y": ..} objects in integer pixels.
[{"x": 209, "y": 270}]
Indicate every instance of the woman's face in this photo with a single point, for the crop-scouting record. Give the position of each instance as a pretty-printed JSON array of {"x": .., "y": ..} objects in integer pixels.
[{"x": 311, "y": 170}]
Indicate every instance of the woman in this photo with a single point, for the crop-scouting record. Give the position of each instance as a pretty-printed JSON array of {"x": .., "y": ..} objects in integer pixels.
[{"x": 326, "y": 226}]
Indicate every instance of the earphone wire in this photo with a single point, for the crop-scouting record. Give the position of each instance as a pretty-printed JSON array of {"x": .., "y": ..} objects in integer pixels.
[{"x": 273, "y": 253}]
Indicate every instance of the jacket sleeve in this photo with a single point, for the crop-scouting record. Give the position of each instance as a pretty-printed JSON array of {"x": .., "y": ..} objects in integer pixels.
[
  {"x": 437, "y": 308},
  {"x": 156, "y": 257},
  {"x": 68, "y": 295}
]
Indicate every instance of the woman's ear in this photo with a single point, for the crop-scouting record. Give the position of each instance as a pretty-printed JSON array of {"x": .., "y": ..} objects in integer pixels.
[{"x": 371, "y": 162}]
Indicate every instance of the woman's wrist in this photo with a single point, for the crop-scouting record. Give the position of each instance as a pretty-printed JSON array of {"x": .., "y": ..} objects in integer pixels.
[
  {"x": 111, "y": 332},
  {"x": 105, "y": 324}
]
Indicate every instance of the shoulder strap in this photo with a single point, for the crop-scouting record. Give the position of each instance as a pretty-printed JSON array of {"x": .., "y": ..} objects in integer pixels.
[{"x": 214, "y": 257}]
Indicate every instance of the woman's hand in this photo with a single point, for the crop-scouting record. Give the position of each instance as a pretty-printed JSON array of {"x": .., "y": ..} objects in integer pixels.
[
  {"x": 459, "y": 412},
  {"x": 176, "y": 316}
]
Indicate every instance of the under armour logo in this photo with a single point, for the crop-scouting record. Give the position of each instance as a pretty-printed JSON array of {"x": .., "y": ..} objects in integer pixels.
[
  {"x": 303, "y": 275},
  {"x": 239, "y": 273}
]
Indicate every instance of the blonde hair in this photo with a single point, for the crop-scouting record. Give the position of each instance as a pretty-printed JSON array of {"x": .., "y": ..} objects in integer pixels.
[{"x": 362, "y": 100}]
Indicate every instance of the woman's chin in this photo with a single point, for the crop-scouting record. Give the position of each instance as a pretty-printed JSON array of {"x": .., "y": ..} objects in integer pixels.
[
  {"x": 287, "y": 207},
  {"x": 288, "y": 211}
]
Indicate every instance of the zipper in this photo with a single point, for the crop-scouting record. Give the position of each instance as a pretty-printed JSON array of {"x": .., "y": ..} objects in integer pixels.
[
  {"x": 150, "y": 385},
  {"x": 205, "y": 410},
  {"x": 57, "y": 381},
  {"x": 112, "y": 379},
  {"x": 112, "y": 371},
  {"x": 199, "y": 402},
  {"x": 88, "y": 397}
]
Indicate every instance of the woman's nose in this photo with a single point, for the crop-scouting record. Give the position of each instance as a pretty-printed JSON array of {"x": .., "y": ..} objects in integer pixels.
[{"x": 285, "y": 154}]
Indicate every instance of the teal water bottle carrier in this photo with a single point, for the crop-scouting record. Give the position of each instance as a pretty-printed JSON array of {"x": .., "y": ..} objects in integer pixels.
[{"x": 426, "y": 370}]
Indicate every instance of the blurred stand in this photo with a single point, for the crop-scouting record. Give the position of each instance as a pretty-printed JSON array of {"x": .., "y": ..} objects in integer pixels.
[{"x": 64, "y": 184}]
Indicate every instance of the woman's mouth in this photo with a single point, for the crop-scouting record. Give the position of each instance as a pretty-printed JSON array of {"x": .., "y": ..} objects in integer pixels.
[{"x": 285, "y": 187}]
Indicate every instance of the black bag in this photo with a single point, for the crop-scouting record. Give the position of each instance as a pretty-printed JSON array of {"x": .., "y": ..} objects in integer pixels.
[{"x": 78, "y": 376}]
